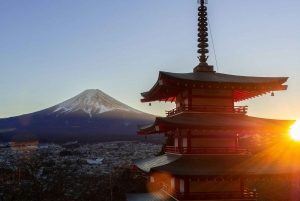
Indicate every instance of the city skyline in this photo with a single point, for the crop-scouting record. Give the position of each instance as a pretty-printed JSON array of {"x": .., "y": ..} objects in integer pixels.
[{"x": 52, "y": 51}]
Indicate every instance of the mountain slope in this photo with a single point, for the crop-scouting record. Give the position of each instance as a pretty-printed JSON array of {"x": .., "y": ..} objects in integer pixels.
[{"x": 91, "y": 115}]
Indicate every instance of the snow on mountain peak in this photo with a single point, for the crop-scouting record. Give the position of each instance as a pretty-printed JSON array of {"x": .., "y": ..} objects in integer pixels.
[{"x": 92, "y": 101}]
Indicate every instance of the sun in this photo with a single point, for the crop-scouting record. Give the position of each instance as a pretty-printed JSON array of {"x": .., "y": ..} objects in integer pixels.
[{"x": 295, "y": 131}]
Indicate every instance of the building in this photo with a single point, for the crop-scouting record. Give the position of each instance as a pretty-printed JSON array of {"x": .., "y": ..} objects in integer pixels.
[
  {"x": 30, "y": 146},
  {"x": 203, "y": 159}
]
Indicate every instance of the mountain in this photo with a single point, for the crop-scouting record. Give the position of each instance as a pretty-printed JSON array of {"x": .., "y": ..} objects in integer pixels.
[
  {"x": 92, "y": 102},
  {"x": 89, "y": 116}
]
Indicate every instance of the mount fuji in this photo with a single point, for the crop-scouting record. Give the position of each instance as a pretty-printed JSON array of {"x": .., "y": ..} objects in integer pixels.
[
  {"x": 92, "y": 102},
  {"x": 89, "y": 116}
]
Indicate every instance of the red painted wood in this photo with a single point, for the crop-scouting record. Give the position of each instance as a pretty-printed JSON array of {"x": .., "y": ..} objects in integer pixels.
[
  {"x": 190, "y": 98},
  {"x": 186, "y": 188},
  {"x": 189, "y": 140},
  {"x": 207, "y": 136},
  {"x": 236, "y": 142}
]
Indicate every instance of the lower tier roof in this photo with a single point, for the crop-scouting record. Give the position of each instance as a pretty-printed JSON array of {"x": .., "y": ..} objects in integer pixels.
[
  {"x": 155, "y": 196},
  {"x": 216, "y": 121},
  {"x": 216, "y": 166}
]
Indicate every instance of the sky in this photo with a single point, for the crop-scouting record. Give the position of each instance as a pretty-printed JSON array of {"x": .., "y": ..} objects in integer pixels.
[{"x": 52, "y": 50}]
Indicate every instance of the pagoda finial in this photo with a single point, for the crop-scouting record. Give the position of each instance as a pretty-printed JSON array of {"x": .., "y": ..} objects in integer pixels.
[
  {"x": 202, "y": 38},
  {"x": 202, "y": 33}
]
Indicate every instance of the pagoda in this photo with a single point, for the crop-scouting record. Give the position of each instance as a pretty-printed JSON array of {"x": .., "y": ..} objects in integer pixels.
[{"x": 202, "y": 158}]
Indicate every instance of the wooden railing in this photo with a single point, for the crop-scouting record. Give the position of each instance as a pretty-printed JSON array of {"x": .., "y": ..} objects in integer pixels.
[
  {"x": 209, "y": 108},
  {"x": 247, "y": 194},
  {"x": 206, "y": 150}
]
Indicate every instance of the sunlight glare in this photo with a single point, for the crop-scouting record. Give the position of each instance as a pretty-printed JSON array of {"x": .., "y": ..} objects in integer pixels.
[{"x": 295, "y": 131}]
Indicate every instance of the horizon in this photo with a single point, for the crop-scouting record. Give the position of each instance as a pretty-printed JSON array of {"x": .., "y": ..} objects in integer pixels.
[{"x": 52, "y": 51}]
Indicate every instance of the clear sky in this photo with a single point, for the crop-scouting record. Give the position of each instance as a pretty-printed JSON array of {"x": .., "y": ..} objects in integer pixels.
[{"x": 52, "y": 50}]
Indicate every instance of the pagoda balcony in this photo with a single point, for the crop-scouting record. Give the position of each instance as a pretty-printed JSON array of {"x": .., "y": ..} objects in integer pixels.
[
  {"x": 206, "y": 150},
  {"x": 209, "y": 108},
  {"x": 246, "y": 195}
]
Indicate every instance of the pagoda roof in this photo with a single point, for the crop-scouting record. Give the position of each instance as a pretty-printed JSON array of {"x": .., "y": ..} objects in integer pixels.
[
  {"x": 149, "y": 163},
  {"x": 154, "y": 196},
  {"x": 216, "y": 166},
  {"x": 216, "y": 121},
  {"x": 225, "y": 78},
  {"x": 169, "y": 85}
]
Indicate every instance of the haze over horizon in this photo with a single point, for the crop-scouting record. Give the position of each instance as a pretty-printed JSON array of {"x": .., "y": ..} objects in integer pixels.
[{"x": 52, "y": 51}]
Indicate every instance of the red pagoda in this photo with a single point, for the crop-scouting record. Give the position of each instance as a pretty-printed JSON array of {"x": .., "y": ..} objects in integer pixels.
[{"x": 203, "y": 159}]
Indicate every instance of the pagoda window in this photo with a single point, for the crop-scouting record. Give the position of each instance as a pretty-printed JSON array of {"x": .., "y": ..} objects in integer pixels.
[
  {"x": 186, "y": 102},
  {"x": 229, "y": 141},
  {"x": 184, "y": 142},
  {"x": 178, "y": 97},
  {"x": 179, "y": 101},
  {"x": 181, "y": 186},
  {"x": 185, "y": 94},
  {"x": 211, "y": 101},
  {"x": 173, "y": 183},
  {"x": 176, "y": 142},
  {"x": 183, "y": 132},
  {"x": 200, "y": 142},
  {"x": 214, "y": 186},
  {"x": 213, "y": 142},
  {"x": 196, "y": 133},
  {"x": 202, "y": 97},
  {"x": 212, "y": 92}
]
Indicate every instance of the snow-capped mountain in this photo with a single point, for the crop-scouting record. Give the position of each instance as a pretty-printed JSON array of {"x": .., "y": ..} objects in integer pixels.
[
  {"x": 92, "y": 101},
  {"x": 91, "y": 115}
]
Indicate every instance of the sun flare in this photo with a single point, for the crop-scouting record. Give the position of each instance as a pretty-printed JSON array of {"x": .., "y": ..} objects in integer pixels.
[{"x": 295, "y": 131}]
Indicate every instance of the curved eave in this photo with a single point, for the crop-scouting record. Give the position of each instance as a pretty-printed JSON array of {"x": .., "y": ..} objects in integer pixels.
[
  {"x": 153, "y": 196},
  {"x": 169, "y": 85},
  {"x": 148, "y": 163},
  {"x": 231, "y": 166},
  {"x": 209, "y": 121},
  {"x": 216, "y": 166},
  {"x": 221, "y": 77}
]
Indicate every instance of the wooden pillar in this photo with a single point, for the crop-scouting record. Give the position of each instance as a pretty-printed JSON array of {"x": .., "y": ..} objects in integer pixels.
[
  {"x": 180, "y": 141},
  {"x": 232, "y": 98},
  {"x": 177, "y": 184},
  {"x": 181, "y": 186},
  {"x": 242, "y": 183},
  {"x": 295, "y": 187},
  {"x": 190, "y": 99},
  {"x": 186, "y": 188},
  {"x": 236, "y": 142},
  {"x": 189, "y": 133}
]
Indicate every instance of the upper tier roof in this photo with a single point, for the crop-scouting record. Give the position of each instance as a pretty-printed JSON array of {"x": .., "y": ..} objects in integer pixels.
[
  {"x": 225, "y": 78},
  {"x": 169, "y": 85},
  {"x": 213, "y": 121}
]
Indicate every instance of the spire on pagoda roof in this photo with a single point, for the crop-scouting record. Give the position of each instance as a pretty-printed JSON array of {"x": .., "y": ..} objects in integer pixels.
[{"x": 202, "y": 39}]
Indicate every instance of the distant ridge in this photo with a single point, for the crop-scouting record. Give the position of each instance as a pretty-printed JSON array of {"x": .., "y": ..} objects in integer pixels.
[{"x": 89, "y": 116}]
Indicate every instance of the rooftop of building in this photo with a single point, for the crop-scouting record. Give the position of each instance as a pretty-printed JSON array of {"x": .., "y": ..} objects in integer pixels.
[
  {"x": 217, "y": 122},
  {"x": 168, "y": 85}
]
